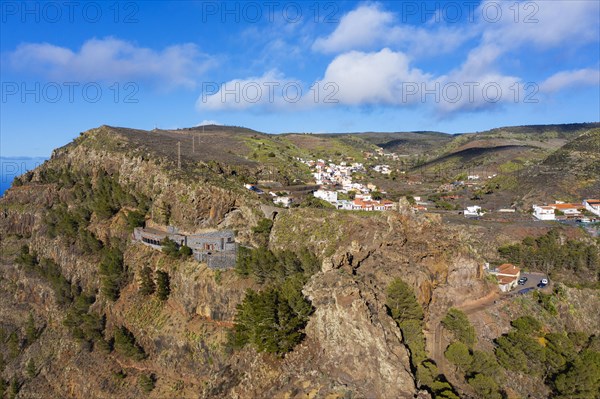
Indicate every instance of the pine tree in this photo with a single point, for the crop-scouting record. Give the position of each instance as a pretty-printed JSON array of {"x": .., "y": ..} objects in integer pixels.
[
  {"x": 15, "y": 387},
  {"x": 163, "y": 288},
  {"x": 147, "y": 286},
  {"x": 402, "y": 303},
  {"x": 31, "y": 369},
  {"x": 31, "y": 331}
]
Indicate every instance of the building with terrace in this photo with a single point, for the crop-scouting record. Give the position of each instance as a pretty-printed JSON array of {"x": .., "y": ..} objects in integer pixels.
[{"x": 217, "y": 249}]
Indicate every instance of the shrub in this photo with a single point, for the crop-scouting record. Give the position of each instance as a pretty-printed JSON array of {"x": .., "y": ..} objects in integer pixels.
[
  {"x": 146, "y": 382},
  {"x": 185, "y": 251}
]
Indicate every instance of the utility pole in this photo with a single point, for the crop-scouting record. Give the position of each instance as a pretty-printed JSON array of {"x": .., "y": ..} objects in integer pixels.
[
  {"x": 193, "y": 144},
  {"x": 179, "y": 155}
]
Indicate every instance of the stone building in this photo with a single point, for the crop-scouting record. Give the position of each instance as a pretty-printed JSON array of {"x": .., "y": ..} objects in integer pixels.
[{"x": 217, "y": 249}]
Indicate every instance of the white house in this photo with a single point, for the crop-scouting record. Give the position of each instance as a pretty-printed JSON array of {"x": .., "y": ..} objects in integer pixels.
[
  {"x": 508, "y": 276},
  {"x": 329, "y": 196},
  {"x": 592, "y": 205},
  {"x": 543, "y": 212},
  {"x": 474, "y": 210}
]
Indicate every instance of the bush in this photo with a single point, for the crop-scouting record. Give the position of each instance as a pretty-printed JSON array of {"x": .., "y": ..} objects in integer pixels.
[
  {"x": 185, "y": 251},
  {"x": 146, "y": 382},
  {"x": 262, "y": 230}
]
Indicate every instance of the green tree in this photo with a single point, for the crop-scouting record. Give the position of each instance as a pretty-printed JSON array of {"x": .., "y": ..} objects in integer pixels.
[
  {"x": 484, "y": 363},
  {"x": 126, "y": 344},
  {"x": 458, "y": 323},
  {"x": 458, "y": 353},
  {"x": 14, "y": 345},
  {"x": 147, "y": 286},
  {"x": 270, "y": 320},
  {"x": 402, "y": 303},
  {"x": 582, "y": 378},
  {"x": 163, "y": 288},
  {"x": 527, "y": 325},
  {"x": 170, "y": 248},
  {"x": 485, "y": 386},
  {"x": 112, "y": 272},
  {"x": 135, "y": 219},
  {"x": 3, "y": 387},
  {"x": 31, "y": 331},
  {"x": 262, "y": 230}
]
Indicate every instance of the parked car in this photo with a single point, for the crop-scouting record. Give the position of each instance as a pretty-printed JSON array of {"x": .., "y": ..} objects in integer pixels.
[
  {"x": 522, "y": 281},
  {"x": 543, "y": 282}
]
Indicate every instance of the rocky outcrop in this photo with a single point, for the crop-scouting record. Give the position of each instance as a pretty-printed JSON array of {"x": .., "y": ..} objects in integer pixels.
[{"x": 359, "y": 345}]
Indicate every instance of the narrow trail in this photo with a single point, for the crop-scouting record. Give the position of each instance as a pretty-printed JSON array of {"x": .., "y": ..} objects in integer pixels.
[{"x": 437, "y": 341}]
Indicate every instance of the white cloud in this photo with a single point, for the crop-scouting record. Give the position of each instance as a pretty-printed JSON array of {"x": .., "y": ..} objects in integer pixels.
[
  {"x": 271, "y": 90},
  {"x": 543, "y": 24},
  {"x": 369, "y": 27},
  {"x": 206, "y": 122},
  {"x": 358, "y": 29},
  {"x": 569, "y": 79},
  {"x": 371, "y": 78},
  {"x": 111, "y": 59}
]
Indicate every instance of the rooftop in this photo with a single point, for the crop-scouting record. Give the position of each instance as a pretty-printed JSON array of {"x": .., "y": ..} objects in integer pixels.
[{"x": 508, "y": 268}]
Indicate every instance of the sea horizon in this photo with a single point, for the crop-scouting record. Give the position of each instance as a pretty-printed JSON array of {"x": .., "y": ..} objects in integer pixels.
[{"x": 13, "y": 166}]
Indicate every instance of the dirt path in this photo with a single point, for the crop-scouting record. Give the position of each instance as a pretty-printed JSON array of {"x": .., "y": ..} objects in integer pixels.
[
  {"x": 437, "y": 341},
  {"x": 477, "y": 305}
]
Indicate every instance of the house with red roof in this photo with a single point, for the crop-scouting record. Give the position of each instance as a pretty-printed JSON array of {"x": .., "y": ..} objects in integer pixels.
[{"x": 508, "y": 276}]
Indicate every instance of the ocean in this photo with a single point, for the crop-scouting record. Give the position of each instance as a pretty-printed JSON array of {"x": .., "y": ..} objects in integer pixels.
[{"x": 10, "y": 167}]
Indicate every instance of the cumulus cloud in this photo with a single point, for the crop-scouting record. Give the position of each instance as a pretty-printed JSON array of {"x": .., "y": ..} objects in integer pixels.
[
  {"x": 570, "y": 79},
  {"x": 371, "y": 78},
  {"x": 111, "y": 59},
  {"x": 375, "y": 60},
  {"x": 270, "y": 90},
  {"x": 369, "y": 27}
]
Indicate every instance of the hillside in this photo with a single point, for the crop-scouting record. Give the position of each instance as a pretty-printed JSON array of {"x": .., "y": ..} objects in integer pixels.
[
  {"x": 572, "y": 171},
  {"x": 322, "y": 303}
]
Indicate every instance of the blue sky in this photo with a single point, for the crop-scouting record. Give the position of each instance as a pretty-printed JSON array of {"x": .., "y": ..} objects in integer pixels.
[{"x": 455, "y": 66}]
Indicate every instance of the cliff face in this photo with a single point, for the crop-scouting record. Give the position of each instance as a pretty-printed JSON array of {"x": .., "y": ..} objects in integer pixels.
[{"x": 352, "y": 347}]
